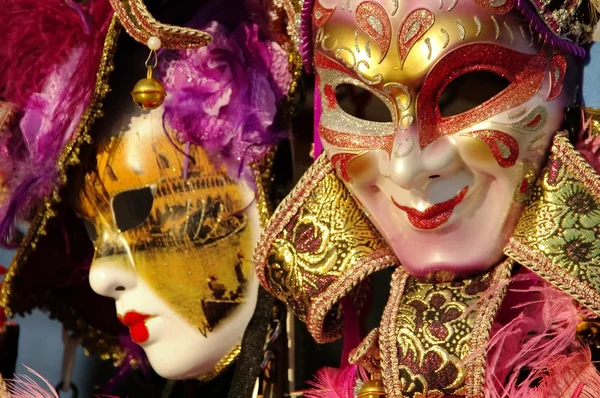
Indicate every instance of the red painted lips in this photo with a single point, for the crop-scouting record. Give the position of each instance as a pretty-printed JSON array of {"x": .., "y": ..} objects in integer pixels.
[
  {"x": 435, "y": 215},
  {"x": 136, "y": 324}
]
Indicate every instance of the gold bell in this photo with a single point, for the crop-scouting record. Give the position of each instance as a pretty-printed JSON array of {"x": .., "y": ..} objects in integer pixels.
[
  {"x": 148, "y": 93},
  {"x": 372, "y": 389}
]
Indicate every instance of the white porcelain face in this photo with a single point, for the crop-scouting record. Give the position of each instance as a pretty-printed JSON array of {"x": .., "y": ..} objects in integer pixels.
[
  {"x": 175, "y": 349},
  {"x": 174, "y": 237},
  {"x": 445, "y": 186}
]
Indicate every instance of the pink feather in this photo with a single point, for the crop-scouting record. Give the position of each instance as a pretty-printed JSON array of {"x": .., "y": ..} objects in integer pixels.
[
  {"x": 333, "y": 383},
  {"x": 535, "y": 327},
  {"x": 24, "y": 386},
  {"x": 588, "y": 145}
]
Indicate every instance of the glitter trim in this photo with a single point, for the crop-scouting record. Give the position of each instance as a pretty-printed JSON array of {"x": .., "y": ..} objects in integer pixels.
[
  {"x": 372, "y": 19},
  {"x": 412, "y": 29}
]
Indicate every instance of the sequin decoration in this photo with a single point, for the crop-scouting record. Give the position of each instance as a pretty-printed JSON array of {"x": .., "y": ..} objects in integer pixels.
[
  {"x": 330, "y": 96},
  {"x": 372, "y": 19},
  {"x": 427, "y": 332},
  {"x": 533, "y": 122},
  {"x": 558, "y": 69},
  {"x": 525, "y": 72},
  {"x": 558, "y": 233},
  {"x": 498, "y": 7},
  {"x": 504, "y": 147},
  {"x": 317, "y": 248},
  {"x": 321, "y": 14},
  {"x": 412, "y": 29},
  {"x": 355, "y": 141}
]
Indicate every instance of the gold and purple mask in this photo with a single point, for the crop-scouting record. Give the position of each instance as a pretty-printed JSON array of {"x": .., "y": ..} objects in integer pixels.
[{"x": 172, "y": 248}]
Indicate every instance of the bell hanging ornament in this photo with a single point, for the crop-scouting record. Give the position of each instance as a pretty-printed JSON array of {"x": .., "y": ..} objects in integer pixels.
[
  {"x": 372, "y": 389},
  {"x": 149, "y": 93}
]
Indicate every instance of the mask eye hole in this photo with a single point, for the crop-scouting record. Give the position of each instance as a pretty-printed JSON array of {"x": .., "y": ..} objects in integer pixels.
[
  {"x": 131, "y": 208},
  {"x": 362, "y": 104},
  {"x": 469, "y": 91}
]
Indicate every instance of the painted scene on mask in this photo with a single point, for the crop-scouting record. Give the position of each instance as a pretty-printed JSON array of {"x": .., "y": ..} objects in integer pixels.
[{"x": 186, "y": 236}]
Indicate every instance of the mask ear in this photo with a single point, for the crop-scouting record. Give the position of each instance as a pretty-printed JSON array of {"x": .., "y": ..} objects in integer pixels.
[{"x": 558, "y": 70}]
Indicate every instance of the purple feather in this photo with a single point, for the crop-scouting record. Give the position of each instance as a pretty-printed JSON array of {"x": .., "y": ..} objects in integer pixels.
[{"x": 224, "y": 96}]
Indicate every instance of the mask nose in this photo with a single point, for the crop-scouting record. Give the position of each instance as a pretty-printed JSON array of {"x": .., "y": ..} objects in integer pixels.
[
  {"x": 112, "y": 276},
  {"x": 413, "y": 168}
]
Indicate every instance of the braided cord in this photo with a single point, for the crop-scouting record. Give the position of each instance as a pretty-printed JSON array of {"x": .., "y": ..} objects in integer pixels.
[{"x": 141, "y": 25}]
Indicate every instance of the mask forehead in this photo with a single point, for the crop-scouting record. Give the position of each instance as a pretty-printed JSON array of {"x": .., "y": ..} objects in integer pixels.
[
  {"x": 389, "y": 41},
  {"x": 140, "y": 155}
]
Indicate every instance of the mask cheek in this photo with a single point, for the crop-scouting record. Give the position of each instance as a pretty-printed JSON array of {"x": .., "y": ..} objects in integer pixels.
[
  {"x": 478, "y": 155},
  {"x": 363, "y": 169}
]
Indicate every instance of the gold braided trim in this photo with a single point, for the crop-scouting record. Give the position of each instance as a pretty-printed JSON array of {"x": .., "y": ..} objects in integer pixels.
[
  {"x": 222, "y": 365},
  {"x": 594, "y": 115},
  {"x": 480, "y": 334},
  {"x": 326, "y": 301},
  {"x": 141, "y": 25},
  {"x": 293, "y": 10},
  {"x": 387, "y": 336},
  {"x": 93, "y": 339}
]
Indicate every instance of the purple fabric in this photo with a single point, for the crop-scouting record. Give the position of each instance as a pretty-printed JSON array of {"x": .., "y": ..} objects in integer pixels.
[
  {"x": 224, "y": 96},
  {"x": 540, "y": 27},
  {"x": 306, "y": 44},
  {"x": 352, "y": 335},
  {"x": 317, "y": 119},
  {"x": 50, "y": 118},
  {"x": 133, "y": 352}
]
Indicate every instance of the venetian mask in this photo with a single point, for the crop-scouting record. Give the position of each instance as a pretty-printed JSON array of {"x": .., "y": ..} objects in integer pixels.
[
  {"x": 471, "y": 100},
  {"x": 174, "y": 236}
]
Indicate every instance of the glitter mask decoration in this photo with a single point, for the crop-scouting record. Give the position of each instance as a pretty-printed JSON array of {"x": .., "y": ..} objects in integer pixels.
[
  {"x": 171, "y": 250},
  {"x": 449, "y": 166}
]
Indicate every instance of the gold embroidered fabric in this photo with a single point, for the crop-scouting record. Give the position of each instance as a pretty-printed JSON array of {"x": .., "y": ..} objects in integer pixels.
[
  {"x": 428, "y": 330},
  {"x": 558, "y": 233},
  {"x": 317, "y": 247},
  {"x": 593, "y": 115}
]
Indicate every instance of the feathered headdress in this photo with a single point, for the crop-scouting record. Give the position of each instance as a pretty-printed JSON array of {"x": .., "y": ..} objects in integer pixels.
[{"x": 52, "y": 83}]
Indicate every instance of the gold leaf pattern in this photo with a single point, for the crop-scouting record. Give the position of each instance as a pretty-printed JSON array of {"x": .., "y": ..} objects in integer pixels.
[
  {"x": 558, "y": 233},
  {"x": 316, "y": 236}
]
